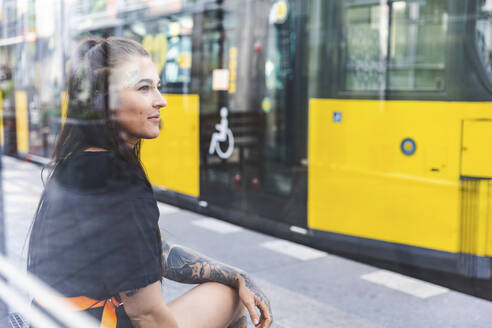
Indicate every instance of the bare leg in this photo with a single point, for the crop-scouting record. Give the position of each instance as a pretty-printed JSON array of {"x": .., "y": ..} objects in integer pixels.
[{"x": 209, "y": 305}]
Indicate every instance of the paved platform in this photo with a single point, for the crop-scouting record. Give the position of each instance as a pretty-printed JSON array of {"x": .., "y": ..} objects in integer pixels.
[{"x": 307, "y": 288}]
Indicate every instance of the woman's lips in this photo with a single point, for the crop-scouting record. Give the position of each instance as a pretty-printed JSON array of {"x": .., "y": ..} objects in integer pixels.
[{"x": 155, "y": 118}]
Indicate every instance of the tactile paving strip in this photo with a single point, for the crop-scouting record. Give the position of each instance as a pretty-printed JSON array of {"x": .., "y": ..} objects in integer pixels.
[{"x": 17, "y": 321}]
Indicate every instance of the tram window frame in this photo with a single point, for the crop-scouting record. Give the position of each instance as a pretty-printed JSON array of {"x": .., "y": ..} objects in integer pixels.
[
  {"x": 471, "y": 45},
  {"x": 384, "y": 87}
]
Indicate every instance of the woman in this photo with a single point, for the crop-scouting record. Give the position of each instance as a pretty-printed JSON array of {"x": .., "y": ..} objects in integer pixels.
[{"x": 95, "y": 236}]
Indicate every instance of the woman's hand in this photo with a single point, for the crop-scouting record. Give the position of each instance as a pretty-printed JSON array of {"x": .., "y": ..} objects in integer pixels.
[{"x": 252, "y": 297}]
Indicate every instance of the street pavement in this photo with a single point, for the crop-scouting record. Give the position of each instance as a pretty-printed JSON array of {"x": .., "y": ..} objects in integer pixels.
[{"x": 306, "y": 287}]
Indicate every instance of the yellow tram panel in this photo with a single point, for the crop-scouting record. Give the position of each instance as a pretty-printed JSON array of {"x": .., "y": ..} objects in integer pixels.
[
  {"x": 488, "y": 247},
  {"x": 172, "y": 160},
  {"x": 476, "y": 163},
  {"x": 477, "y": 143},
  {"x": 64, "y": 107},
  {"x": 361, "y": 183},
  {"x": 22, "y": 121}
]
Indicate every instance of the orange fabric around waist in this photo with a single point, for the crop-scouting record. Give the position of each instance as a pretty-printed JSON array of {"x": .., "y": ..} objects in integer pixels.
[{"x": 81, "y": 303}]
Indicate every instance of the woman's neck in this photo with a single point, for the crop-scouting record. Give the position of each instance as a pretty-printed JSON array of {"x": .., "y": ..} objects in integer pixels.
[
  {"x": 95, "y": 149},
  {"x": 131, "y": 142}
]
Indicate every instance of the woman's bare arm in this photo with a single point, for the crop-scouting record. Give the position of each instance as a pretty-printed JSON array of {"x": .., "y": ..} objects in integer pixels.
[
  {"x": 146, "y": 308},
  {"x": 187, "y": 266}
]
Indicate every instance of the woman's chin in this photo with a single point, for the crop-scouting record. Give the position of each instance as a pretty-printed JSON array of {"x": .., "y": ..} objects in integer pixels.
[
  {"x": 152, "y": 135},
  {"x": 148, "y": 134}
]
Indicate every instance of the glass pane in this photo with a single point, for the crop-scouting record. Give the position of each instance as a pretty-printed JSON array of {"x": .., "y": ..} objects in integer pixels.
[
  {"x": 483, "y": 35},
  {"x": 168, "y": 39},
  {"x": 418, "y": 45},
  {"x": 364, "y": 27}
]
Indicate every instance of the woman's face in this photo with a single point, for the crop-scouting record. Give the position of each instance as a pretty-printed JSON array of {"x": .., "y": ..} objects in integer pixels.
[{"x": 136, "y": 100}]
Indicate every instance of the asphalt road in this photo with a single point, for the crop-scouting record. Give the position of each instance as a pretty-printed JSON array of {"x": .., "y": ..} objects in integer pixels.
[{"x": 306, "y": 287}]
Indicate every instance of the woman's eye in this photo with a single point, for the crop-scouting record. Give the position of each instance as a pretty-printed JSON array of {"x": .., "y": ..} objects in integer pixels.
[{"x": 144, "y": 88}]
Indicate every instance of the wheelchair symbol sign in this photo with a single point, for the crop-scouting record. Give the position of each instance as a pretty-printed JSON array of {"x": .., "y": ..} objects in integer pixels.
[{"x": 222, "y": 135}]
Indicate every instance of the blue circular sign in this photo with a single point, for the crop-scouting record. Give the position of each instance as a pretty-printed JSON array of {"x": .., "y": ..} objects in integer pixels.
[{"x": 408, "y": 146}]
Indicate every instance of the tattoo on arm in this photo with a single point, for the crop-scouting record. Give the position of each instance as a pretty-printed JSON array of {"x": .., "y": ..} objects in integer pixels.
[{"x": 186, "y": 266}]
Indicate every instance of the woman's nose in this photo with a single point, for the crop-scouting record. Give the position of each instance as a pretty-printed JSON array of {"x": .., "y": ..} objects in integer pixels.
[{"x": 160, "y": 101}]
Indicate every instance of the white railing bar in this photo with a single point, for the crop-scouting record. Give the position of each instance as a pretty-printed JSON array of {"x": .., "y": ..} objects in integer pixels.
[
  {"x": 21, "y": 305},
  {"x": 50, "y": 299}
]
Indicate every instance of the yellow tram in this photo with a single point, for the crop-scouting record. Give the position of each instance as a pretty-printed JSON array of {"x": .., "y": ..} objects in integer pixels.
[{"x": 361, "y": 127}]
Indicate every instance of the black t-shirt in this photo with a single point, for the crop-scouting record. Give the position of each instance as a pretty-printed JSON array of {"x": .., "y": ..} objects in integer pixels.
[{"x": 96, "y": 233}]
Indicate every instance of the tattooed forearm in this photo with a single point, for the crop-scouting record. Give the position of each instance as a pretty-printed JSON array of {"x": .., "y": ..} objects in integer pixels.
[{"x": 184, "y": 265}]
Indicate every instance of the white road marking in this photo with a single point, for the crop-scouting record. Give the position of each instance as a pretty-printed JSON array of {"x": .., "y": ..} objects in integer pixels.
[
  {"x": 300, "y": 230},
  {"x": 13, "y": 173},
  {"x": 27, "y": 182},
  {"x": 167, "y": 209},
  {"x": 217, "y": 225},
  {"x": 10, "y": 187},
  {"x": 293, "y": 310},
  {"x": 408, "y": 285},
  {"x": 24, "y": 199},
  {"x": 300, "y": 252}
]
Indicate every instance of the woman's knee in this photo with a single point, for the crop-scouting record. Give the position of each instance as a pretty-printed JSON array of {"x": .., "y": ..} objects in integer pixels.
[
  {"x": 238, "y": 313},
  {"x": 223, "y": 291},
  {"x": 214, "y": 304}
]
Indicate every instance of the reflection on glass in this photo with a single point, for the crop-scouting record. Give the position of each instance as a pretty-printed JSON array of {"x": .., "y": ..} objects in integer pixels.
[
  {"x": 168, "y": 39},
  {"x": 483, "y": 35},
  {"x": 416, "y": 42},
  {"x": 417, "y": 45},
  {"x": 365, "y": 28}
]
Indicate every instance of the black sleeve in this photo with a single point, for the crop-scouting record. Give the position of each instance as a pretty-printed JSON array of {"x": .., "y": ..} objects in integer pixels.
[
  {"x": 97, "y": 233},
  {"x": 129, "y": 257}
]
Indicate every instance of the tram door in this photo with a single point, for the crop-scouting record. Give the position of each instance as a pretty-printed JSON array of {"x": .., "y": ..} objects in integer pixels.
[
  {"x": 7, "y": 100},
  {"x": 253, "y": 126},
  {"x": 213, "y": 44}
]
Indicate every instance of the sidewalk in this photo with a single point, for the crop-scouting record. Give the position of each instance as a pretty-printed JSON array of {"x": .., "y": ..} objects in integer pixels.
[{"x": 306, "y": 287}]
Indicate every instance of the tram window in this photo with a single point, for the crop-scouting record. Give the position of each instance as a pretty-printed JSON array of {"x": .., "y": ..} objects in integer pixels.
[
  {"x": 483, "y": 35},
  {"x": 364, "y": 48},
  {"x": 418, "y": 45},
  {"x": 405, "y": 53},
  {"x": 168, "y": 39}
]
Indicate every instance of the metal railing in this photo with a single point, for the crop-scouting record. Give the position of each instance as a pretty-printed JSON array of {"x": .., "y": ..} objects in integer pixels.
[
  {"x": 55, "y": 313},
  {"x": 18, "y": 287}
]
